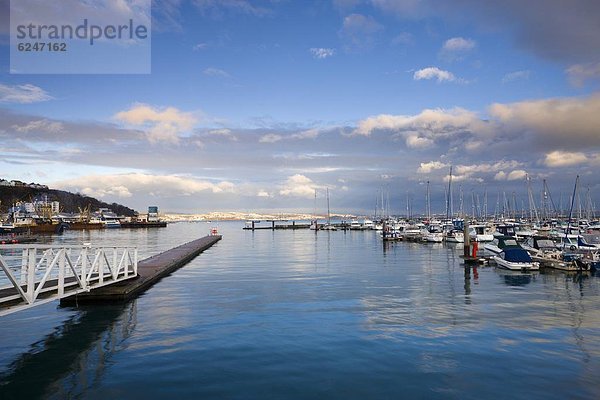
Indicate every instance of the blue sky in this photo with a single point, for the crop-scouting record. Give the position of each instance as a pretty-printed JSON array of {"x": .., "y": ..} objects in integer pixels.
[{"x": 255, "y": 104}]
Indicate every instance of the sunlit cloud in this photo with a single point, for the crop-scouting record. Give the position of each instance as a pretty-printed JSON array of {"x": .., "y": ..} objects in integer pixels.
[
  {"x": 161, "y": 124},
  {"x": 560, "y": 158}
]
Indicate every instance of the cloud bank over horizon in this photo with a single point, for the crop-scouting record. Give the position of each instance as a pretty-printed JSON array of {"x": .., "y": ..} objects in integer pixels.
[
  {"x": 279, "y": 168},
  {"x": 250, "y": 109}
]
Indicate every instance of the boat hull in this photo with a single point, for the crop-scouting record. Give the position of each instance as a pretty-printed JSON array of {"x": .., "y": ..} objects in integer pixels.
[
  {"x": 85, "y": 226},
  {"x": 516, "y": 266}
]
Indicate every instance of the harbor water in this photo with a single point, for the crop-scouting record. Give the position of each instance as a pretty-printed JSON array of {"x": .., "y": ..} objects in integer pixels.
[{"x": 296, "y": 314}]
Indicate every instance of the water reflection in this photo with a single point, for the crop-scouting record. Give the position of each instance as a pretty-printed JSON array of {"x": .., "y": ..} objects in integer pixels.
[
  {"x": 73, "y": 358},
  {"x": 516, "y": 278}
]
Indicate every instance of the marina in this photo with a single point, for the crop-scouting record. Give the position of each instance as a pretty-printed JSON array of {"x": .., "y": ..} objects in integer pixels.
[{"x": 405, "y": 318}]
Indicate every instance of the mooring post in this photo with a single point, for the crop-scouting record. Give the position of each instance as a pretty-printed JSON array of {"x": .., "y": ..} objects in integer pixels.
[{"x": 467, "y": 239}]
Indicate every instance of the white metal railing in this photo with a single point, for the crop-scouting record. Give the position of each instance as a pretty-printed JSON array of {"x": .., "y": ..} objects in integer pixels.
[{"x": 37, "y": 274}]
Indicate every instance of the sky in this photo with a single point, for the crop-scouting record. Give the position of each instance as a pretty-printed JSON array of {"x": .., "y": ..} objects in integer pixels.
[{"x": 253, "y": 105}]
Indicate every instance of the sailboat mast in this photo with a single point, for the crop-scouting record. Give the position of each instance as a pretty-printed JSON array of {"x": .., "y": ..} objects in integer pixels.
[
  {"x": 328, "y": 214},
  {"x": 428, "y": 203},
  {"x": 532, "y": 209},
  {"x": 315, "y": 207},
  {"x": 571, "y": 210},
  {"x": 449, "y": 200}
]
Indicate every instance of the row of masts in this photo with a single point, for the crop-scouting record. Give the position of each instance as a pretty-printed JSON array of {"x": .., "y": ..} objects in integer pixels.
[{"x": 507, "y": 206}]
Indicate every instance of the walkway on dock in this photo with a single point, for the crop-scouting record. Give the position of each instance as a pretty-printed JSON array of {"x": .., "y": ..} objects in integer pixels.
[
  {"x": 150, "y": 271},
  {"x": 77, "y": 274}
]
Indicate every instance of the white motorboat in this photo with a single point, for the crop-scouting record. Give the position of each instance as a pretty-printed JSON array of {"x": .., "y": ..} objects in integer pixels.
[
  {"x": 516, "y": 259},
  {"x": 434, "y": 234},
  {"x": 499, "y": 243},
  {"x": 481, "y": 233},
  {"x": 454, "y": 236},
  {"x": 355, "y": 225},
  {"x": 576, "y": 242},
  {"x": 111, "y": 223}
]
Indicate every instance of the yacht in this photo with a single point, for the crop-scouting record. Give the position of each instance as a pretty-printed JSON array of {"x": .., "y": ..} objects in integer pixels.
[
  {"x": 434, "y": 234},
  {"x": 544, "y": 251},
  {"x": 499, "y": 243},
  {"x": 355, "y": 225},
  {"x": 454, "y": 236},
  {"x": 481, "y": 233},
  {"x": 576, "y": 242},
  {"x": 515, "y": 258},
  {"x": 109, "y": 219},
  {"x": 368, "y": 224}
]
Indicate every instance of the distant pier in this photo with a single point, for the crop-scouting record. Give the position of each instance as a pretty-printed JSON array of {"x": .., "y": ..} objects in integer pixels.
[
  {"x": 274, "y": 225},
  {"x": 150, "y": 271}
]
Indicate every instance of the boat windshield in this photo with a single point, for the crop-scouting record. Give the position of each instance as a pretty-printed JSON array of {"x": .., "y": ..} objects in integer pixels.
[
  {"x": 545, "y": 243},
  {"x": 510, "y": 242}
]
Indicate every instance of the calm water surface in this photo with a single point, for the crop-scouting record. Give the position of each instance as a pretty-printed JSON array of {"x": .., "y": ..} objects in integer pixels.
[{"x": 291, "y": 314}]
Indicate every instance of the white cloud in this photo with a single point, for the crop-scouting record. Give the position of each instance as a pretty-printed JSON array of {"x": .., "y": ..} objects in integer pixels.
[
  {"x": 516, "y": 76},
  {"x": 299, "y": 186},
  {"x": 263, "y": 193},
  {"x": 23, "y": 94},
  {"x": 500, "y": 176},
  {"x": 579, "y": 73},
  {"x": 225, "y": 133},
  {"x": 274, "y": 137},
  {"x": 322, "y": 53},
  {"x": 162, "y": 125},
  {"x": 515, "y": 175},
  {"x": 560, "y": 158},
  {"x": 463, "y": 172},
  {"x": 559, "y": 123},
  {"x": 428, "y": 167},
  {"x": 270, "y": 138},
  {"x": 416, "y": 142},
  {"x": 434, "y": 73},
  {"x": 126, "y": 185},
  {"x": 458, "y": 44},
  {"x": 216, "y": 72},
  {"x": 307, "y": 134},
  {"x": 429, "y": 124},
  {"x": 41, "y": 125},
  {"x": 456, "y": 49},
  {"x": 199, "y": 46},
  {"x": 469, "y": 170}
]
